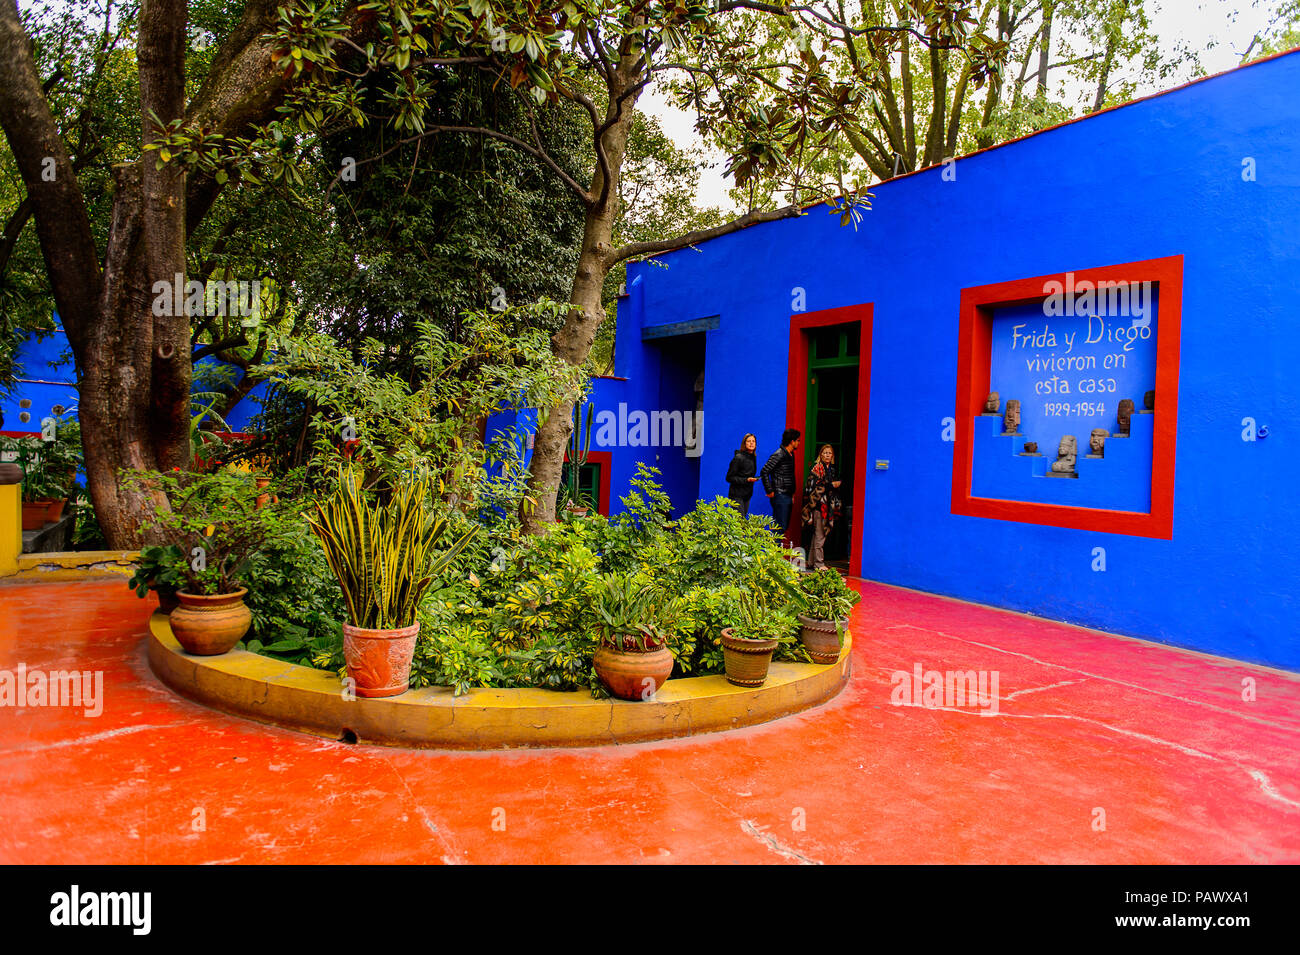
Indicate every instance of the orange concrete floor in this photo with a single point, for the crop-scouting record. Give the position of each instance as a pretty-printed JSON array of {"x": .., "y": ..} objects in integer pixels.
[{"x": 1103, "y": 749}]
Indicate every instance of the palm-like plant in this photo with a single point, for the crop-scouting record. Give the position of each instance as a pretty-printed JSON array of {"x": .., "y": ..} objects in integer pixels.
[
  {"x": 632, "y": 613},
  {"x": 385, "y": 556}
]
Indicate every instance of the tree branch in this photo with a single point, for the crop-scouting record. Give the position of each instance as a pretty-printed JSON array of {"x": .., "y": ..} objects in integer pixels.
[{"x": 633, "y": 249}]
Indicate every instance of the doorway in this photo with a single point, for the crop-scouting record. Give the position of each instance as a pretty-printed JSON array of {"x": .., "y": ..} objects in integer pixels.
[
  {"x": 832, "y": 418},
  {"x": 828, "y": 398}
]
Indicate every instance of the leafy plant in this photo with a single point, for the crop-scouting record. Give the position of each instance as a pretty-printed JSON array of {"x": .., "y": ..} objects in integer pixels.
[
  {"x": 213, "y": 520},
  {"x": 758, "y": 618},
  {"x": 49, "y": 467},
  {"x": 384, "y": 555},
  {"x": 823, "y": 595},
  {"x": 632, "y": 612},
  {"x": 294, "y": 598},
  {"x": 157, "y": 568}
]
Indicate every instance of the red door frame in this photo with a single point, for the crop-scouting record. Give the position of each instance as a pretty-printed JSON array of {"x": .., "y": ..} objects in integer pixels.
[
  {"x": 975, "y": 353},
  {"x": 796, "y": 408},
  {"x": 605, "y": 459}
]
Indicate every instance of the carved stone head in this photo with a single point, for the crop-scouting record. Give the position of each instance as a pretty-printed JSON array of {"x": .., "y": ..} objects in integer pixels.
[
  {"x": 1097, "y": 441},
  {"x": 1066, "y": 454},
  {"x": 993, "y": 403},
  {"x": 1125, "y": 415},
  {"x": 1149, "y": 401},
  {"x": 1011, "y": 423},
  {"x": 1031, "y": 447}
]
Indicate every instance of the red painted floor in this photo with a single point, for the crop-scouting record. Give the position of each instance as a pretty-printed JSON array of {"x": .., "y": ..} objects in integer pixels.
[{"x": 1158, "y": 740}]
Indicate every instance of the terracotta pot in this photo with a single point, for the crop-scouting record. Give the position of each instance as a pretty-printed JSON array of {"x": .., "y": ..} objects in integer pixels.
[
  {"x": 746, "y": 660},
  {"x": 633, "y": 676},
  {"x": 34, "y": 514},
  {"x": 55, "y": 510},
  {"x": 379, "y": 660},
  {"x": 821, "y": 639},
  {"x": 262, "y": 500},
  {"x": 208, "y": 625},
  {"x": 167, "y": 599}
]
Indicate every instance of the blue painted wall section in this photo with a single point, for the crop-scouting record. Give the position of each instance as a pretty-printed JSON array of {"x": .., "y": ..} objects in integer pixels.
[
  {"x": 1227, "y": 581},
  {"x": 1069, "y": 372}
]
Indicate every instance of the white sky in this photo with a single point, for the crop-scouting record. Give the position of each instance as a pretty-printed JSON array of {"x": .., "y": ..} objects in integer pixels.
[{"x": 1219, "y": 30}]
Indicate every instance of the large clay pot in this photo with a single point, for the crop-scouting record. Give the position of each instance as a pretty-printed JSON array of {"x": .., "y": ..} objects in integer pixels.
[
  {"x": 35, "y": 514},
  {"x": 746, "y": 660},
  {"x": 55, "y": 511},
  {"x": 633, "y": 676},
  {"x": 379, "y": 661},
  {"x": 821, "y": 639},
  {"x": 208, "y": 625}
]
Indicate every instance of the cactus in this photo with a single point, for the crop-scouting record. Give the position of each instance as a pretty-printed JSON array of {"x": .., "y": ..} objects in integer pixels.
[{"x": 579, "y": 446}]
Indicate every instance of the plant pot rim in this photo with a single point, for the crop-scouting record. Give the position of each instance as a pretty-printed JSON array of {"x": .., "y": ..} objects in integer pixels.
[
  {"x": 632, "y": 653},
  {"x": 392, "y": 633},
  {"x": 804, "y": 618},
  {"x": 185, "y": 595},
  {"x": 728, "y": 633}
]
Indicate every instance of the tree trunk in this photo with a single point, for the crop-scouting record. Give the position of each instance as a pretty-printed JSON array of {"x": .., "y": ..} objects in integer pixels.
[{"x": 573, "y": 340}]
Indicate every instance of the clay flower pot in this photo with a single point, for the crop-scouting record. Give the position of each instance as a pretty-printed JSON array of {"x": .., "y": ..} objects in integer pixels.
[
  {"x": 746, "y": 660},
  {"x": 55, "y": 510},
  {"x": 379, "y": 661},
  {"x": 208, "y": 625},
  {"x": 633, "y": 676},
  {"x": 821, "y": 639},
  {"x": 35, "y": 514}
]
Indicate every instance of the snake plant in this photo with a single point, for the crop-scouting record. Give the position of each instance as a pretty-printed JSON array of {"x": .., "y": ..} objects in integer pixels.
[{"x": 385, "y": 556}]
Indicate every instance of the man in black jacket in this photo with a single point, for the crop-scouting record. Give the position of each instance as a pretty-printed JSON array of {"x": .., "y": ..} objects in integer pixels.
[{"x": 778, "y": 478}]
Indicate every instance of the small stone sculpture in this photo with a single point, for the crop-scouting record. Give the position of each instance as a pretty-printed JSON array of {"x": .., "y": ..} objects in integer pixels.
[
  {"x": 1031, "y": 447},
  {"x": 1125, "y": 415},
  {"x": 1149, "y": 401},
  {"x": 993, "y": 403},
  {"x": 1066, "y": 455},
  {"x": 1011, "y": 423},
  {"x": 1097, "y": 442}
]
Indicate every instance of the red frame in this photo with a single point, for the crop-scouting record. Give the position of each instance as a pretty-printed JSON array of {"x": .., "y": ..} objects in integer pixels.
[
  {"x": 796, "y": 407},
  {"x": 974, "y": 356},
  {"x": 605, "y": 459}
]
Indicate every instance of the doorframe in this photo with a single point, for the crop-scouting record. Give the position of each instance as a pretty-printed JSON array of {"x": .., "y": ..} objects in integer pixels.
[{"x": 796, "y": 407}]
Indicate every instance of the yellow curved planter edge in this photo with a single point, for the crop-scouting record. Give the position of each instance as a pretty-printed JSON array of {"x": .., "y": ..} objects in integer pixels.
[{"x": 311, "y": 701}]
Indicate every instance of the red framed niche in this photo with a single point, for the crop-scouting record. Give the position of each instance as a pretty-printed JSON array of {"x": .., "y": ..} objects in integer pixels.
[
  {"x": 605, "y": 459},
  {"x": 974, "y": 353},
  {"x": 796, "y": 406}
]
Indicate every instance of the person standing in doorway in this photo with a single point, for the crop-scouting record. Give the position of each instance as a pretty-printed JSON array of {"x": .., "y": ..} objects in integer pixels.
[
  {"x": 822, "y": 505},
  {"x": 742, "y": 473},
  {"x": 778, "y": 478}
]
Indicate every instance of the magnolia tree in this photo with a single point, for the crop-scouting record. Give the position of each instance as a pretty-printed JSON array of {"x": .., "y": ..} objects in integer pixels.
[{"x": 282, "y": 78}]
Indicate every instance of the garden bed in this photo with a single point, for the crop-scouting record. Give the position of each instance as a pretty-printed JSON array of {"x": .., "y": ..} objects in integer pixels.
[{"x": 311, "y": 700}]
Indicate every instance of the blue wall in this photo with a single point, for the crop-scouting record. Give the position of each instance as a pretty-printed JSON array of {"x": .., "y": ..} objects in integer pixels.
[
  {"x": 46, "y": 387},
  {"x": 1160, "y": 177}
]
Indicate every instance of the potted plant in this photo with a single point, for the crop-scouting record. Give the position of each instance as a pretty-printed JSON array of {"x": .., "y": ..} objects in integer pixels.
[
  {"x": 633, "y": 660},
  {"x": 823, "y": 602},
  {"x": 44, "y": 490},
  {"x": 157, "y": 569},
  {"x": 748, "y": 645},
  {"x": 212, "y": 521},
  {"x": 385, "y": 558}
]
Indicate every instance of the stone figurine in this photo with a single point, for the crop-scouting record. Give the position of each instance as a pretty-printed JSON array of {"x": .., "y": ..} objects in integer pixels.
[
  {"x": 1066, "y": 455},
  {"x": 1149, "y": 401},
  {"x": 993, "y": 403},
  {"x": 1097, "y": 442},
  {"x": 1011, "y": 423},
  {"x": 1125, "y": 415}
]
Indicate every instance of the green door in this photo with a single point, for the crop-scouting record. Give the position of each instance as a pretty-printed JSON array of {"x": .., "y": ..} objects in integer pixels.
[{"x": 831, "y": 418}]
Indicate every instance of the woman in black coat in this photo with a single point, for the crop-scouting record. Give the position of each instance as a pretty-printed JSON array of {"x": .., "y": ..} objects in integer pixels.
[{"x": 742, "y": 473}]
